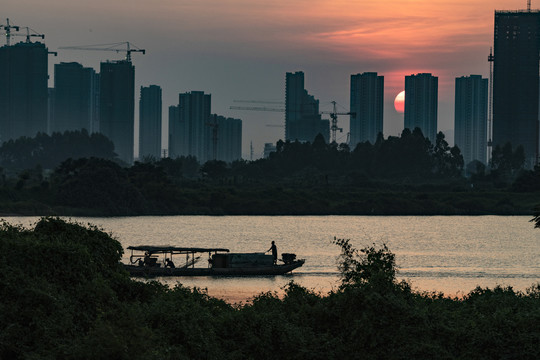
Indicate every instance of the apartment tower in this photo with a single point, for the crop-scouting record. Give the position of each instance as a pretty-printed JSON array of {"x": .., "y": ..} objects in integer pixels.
[
  {"x": 421, "y": 96},
  {"x": 117, "y": 106},
  {"x": 23, "y": 90},
  {"x": 367, "y": 101},
  {"x": 470, "y": 117},
  {"x": 150, "y": 118}
]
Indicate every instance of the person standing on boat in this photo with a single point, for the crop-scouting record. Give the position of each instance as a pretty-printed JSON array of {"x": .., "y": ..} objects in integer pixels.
[{"x": 273, "y": 248}]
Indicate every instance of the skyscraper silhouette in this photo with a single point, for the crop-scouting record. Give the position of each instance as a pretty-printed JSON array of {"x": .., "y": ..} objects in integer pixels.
[
  {"x": 515, "y": 81},
  {"x": 76, "y": 98},
  {"x": 23, "y": 90},
  {"x": 150, "y": 119},
  {"x": 421, "y": 96},
  {"x": 188, "y": 128},
  {"x": 302, "y": 118},
  {"x": 117, "y": 106},
  {"x": 229, "y": 139},
  {"x": 367, "y": 96},
  {"x": 470, "y": 117}
]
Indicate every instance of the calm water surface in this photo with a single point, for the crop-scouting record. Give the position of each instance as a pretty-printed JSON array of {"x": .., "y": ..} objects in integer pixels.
[{"x": 450, "y": 254}]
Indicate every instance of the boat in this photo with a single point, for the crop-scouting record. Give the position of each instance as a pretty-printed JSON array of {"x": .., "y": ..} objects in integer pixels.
[{"x": 152, "y": 261}]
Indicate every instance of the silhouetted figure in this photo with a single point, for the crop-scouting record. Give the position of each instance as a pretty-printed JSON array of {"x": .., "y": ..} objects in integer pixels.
[
  {"x": 273, "y": 248},
  {"x": 169, "y": 264},
  {"x": 147, "y": 261}
]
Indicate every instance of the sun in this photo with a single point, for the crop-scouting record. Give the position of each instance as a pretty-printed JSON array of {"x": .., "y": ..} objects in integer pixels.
[{"x": 399, "y": 102}]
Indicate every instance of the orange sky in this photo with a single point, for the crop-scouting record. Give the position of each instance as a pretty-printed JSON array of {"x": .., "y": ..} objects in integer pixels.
[{"x": 238, "y": 49}]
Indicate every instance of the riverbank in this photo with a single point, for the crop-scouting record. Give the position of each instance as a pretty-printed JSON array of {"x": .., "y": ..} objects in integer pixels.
[{"x": 290, "y": 201}]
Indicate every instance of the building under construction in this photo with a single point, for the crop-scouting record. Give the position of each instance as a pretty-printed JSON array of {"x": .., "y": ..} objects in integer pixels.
[{"x": 516, "y": 81}]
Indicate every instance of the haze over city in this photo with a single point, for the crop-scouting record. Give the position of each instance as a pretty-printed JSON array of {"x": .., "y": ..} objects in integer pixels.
[{"x": 238, "y": 50}]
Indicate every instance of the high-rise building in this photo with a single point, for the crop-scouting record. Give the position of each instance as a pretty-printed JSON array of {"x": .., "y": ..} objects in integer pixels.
[
  {"x": 367, "y": 96},
  {"x": 421, "y": 95},
  {"x": 175, "y": 133},
  {"x": 470, "y": 117},
  {"x": 515, "y": 81},
  {"x": 76, "y": 105},
  {"x": 150, "y": 122},
  {"x": 302, "y": 118},
  {"x": 188, "y": 126},
  {"x": 117, "y": 106},
  {"x": 229, "y": 139},
  {"x": 50, "y": 112},
  {"x": 23, "y": 90}
]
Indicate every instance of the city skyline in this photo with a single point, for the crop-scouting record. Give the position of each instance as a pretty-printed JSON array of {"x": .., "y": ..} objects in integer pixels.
[{"x": 241, "y": 50}]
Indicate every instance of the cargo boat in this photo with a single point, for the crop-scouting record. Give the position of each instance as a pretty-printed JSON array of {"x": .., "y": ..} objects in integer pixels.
[{"x": 151, "y": 261}]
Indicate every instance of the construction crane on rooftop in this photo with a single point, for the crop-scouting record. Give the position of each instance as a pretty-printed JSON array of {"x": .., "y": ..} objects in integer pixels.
[
  {"x": 128, "y": 49},
  {"x": 7, "y": 28},
  {"x": 30, "y": 33}
]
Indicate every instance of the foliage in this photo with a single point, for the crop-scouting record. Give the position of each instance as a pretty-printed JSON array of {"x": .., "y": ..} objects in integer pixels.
[
  {"x": 369, "y": 266},
  {"x": 506, "y": 162},
  {"x": 49, "y": 151},
  {"x": 65, "y": 296},
  {"x": 395, "y": 176}
]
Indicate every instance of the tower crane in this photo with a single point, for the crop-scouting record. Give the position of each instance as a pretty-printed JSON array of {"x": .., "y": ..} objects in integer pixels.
[
  {"x": 30, "y": 33},
  {"x": 333, "y": 115},
  {"x": 128, "y": 49},
  {"x": 7, "y": 28},
  {"x": 491, "y": 59}
]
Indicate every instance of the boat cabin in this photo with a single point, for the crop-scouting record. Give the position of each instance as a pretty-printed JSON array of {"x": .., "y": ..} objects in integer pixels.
[{"x": 162, "y": 256}]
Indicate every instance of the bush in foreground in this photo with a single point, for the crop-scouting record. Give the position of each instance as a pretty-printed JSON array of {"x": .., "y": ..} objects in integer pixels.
[{"x": 65, "y": 296}]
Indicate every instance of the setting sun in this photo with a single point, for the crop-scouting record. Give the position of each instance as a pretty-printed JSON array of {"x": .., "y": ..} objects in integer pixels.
[{"x": 399, "y": 102}]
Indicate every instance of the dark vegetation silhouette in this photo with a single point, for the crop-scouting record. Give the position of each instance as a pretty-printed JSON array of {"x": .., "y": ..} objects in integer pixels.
[
  {"x": 405, "y": 175},
  {"x": 49, "y": 151},
  {"x": 65, "y": 296}
]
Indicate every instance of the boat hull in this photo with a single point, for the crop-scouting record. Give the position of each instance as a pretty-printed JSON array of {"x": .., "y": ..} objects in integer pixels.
[{"x": 143, "y": 271}]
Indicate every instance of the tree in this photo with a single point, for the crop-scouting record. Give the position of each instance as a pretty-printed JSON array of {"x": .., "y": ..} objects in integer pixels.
[
  {"x": 506, "y": 161},
  {"x": 214, "y": 169}
]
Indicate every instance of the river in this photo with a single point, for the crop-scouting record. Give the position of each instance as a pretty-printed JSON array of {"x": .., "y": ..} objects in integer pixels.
[{"x": 449, "y": 254}]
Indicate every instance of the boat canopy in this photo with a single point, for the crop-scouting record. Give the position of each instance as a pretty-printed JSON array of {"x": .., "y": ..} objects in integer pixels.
[{"x": 168, "y": 249}]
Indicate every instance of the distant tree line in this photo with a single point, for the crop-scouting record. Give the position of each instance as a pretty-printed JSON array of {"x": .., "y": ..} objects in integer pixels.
[
  {"x": 48, "y": 151},
  {"x": 397, "y": 175}
]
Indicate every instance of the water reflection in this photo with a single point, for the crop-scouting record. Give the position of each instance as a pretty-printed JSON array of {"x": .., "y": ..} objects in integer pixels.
[{"x": 450, "y": 254}]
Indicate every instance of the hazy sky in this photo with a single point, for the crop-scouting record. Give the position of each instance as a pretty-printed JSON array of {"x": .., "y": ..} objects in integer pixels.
[{"x": 241, "y": 49}]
